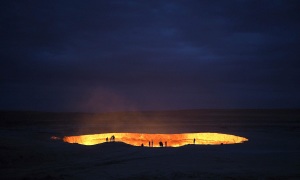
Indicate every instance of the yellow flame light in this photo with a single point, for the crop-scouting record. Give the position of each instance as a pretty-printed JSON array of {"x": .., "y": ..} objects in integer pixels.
[{"x": 171, "y": 140}]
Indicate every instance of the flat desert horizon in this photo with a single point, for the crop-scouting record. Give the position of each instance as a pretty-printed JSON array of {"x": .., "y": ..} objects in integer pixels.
[{"x": 271, "y": 152}]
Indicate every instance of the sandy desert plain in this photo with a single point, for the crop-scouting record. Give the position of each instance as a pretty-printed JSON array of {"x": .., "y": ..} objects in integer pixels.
[{"x": 272, "y": 152}]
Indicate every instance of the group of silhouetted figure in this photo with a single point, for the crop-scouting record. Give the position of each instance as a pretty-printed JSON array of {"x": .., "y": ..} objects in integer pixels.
[
  {"x": 150, "y": 144},
  {"x": 161, "y": 144},
  {"x": 112, "y": 139}
]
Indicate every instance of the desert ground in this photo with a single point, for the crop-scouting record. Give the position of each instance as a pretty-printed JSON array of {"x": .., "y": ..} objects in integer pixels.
[{"x": 272, "y": 152}]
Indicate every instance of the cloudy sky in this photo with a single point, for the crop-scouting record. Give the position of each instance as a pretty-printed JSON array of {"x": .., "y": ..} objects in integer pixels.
[{"x": 97, "y": 56}]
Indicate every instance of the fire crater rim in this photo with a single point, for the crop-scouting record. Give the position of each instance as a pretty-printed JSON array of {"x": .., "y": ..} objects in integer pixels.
[{"x": 155, "y": 140}]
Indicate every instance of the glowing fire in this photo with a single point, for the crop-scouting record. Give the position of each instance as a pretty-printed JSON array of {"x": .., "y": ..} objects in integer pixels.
[{"x": 170, "y": 140}]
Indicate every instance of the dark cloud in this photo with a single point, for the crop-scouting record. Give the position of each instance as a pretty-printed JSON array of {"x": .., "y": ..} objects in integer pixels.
[{"x": 149, "y": 54}]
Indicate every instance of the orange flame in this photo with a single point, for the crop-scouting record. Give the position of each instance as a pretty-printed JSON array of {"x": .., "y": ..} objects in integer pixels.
[{"x": 170, "y": 140}]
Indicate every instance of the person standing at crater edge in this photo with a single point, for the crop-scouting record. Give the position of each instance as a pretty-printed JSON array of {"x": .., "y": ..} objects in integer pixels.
[
  {"x": 194, "y": 140},
  {"x": 112, "y": 138},
  {"x": 161, "y": 144}
]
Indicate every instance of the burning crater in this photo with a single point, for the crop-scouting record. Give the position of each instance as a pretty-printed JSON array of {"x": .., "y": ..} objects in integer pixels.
[{"x": 157, "y": 140}]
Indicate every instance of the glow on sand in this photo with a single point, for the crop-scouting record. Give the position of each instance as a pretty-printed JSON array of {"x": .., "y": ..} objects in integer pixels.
[{"x": 171, "y": 140}]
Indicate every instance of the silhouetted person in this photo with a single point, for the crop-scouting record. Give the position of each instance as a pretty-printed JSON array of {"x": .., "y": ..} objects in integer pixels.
[
  {"x": 161, "y": 144},
  {"x": 112, "y": 138},
  {"x": 142, "y": 145},
  {"x": 194, "y": 140},
  {"x": 106, "y": 139},
  {"x": 166, "y": 144},
  {"x": 149, "y": 143}
]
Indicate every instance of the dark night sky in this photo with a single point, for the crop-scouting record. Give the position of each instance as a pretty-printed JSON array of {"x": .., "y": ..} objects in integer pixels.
[{"x": 97, "y": 56}]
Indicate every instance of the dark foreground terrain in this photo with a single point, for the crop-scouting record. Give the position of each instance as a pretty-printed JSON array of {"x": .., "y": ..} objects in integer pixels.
[{"x": 272, "y": 152}]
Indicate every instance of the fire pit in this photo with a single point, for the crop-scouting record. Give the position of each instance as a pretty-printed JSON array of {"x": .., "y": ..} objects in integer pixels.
[{"x": 157, "y": 140}]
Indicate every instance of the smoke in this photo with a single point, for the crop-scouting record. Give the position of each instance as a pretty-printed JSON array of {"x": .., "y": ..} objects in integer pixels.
[
  {"x": 111, "y": 111},
  {"x": 104, "y": 100},
  {"x": 103, "y": 106}
]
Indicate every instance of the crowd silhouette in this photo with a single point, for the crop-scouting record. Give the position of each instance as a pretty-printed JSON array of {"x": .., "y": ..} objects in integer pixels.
[
  {"x": 111, "y": 139},
  {"x": 150, "y": 143}
]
